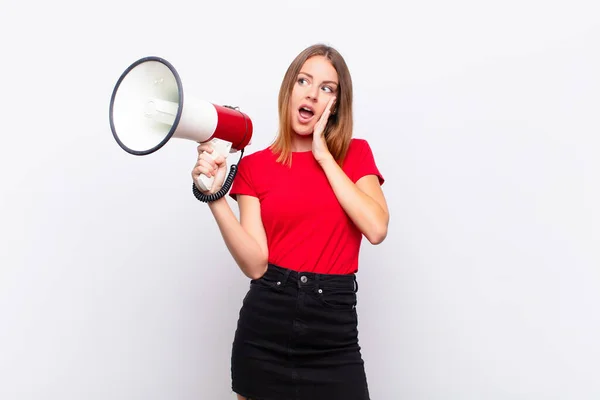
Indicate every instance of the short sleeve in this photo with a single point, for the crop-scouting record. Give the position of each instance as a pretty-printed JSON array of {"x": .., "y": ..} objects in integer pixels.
[
  {"x": 364, "y": 164},
  {"x": 242, "y": 183}
]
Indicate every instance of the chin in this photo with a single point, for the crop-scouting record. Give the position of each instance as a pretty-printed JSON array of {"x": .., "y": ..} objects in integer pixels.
[{"x": 303, "y": 130}]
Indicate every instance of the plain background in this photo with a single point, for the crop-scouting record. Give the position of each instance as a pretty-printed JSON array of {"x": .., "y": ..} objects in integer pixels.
[{"x": 483, "y": 117}]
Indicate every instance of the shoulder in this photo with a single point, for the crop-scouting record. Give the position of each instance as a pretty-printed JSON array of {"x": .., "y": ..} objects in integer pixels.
[
  {"x": 358, "y": 142},
  {"x": 257, "y": 157},
  {"x": 358, "y": 148},
  {"x": 258, "y": 154},
  {"x": 360, "y": 161},
  {"x": 250, "y": 171}
]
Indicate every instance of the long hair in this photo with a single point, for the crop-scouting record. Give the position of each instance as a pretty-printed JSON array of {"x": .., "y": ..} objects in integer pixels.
[{"x": 338, "y": 132}]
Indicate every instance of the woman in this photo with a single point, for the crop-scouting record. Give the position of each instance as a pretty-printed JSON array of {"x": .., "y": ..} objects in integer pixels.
[{"x": 305, "y": 202}]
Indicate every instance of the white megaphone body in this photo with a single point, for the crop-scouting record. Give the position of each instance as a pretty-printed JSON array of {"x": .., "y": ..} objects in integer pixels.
[{"x": 148, "y": 108}]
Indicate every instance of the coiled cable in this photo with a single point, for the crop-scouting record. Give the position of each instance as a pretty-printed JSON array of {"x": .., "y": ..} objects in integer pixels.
[{"x": 207, "y": 198}]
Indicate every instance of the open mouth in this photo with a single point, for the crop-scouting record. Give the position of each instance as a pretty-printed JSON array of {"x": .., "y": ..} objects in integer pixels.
[{"x": 306, "y": 113}]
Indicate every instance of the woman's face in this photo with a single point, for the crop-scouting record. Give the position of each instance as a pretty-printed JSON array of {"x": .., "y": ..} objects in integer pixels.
[{"x": 315, "y": 85}]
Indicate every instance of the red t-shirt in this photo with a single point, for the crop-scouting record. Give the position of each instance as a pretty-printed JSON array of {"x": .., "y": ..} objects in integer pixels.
[{"x": 306, "y": 227}]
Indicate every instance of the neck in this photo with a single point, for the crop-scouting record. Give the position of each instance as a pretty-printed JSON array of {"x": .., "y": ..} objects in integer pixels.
[{"x": 302, "y": 143}]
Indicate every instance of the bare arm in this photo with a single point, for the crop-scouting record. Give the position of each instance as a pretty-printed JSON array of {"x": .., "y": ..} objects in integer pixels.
[
  {"x": 363, "y": 202},
  {"x": 245, "y": 239}
]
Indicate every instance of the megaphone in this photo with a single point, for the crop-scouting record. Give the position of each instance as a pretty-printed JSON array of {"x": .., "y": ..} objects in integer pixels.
[{"x": 147, "y": 109}]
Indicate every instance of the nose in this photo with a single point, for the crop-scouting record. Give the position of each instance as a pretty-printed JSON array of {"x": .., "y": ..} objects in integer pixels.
[{"x": 312, "y": 93}]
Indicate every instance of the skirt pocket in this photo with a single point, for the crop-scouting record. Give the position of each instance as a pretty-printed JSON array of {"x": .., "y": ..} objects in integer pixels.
[
  {"x": 337, "y": 299},
  {"x": 267, "y": 281}
]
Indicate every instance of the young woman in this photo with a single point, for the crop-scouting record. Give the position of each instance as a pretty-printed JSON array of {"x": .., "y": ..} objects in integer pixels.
[{"x": 305, "y": 202}]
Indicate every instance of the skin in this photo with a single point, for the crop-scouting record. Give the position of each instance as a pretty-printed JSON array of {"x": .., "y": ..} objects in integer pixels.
[
  {"x": 363, "y": 202},
  {"x": 316, "y": 87}
]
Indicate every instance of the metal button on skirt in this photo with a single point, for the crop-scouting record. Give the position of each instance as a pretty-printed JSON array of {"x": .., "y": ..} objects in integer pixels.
[{"x": 297, "y": 339}]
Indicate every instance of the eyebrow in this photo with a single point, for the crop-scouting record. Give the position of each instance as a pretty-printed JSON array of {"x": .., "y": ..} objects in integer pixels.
[{"x": 311, "y": 77}]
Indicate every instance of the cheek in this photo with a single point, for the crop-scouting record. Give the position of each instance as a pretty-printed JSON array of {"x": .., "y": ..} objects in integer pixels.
[
  {"x": 294, "y": 97},
  {"x": 291, "y": 109},
  {"x": 321, "y": 109}
]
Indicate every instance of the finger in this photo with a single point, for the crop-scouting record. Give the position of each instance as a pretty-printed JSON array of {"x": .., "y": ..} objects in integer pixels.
[
  {"x": 327, "y": 111},
  {"x": 202, "y": 171},
  {"x": 208, "y": 164},
  {"x": 205, "y": 147},
  {"x": 204, "y": 168},
  {"x": 207, "y": 158},
  {"x": 323, "y": 120},
  {"x": 330, "y": 104},
  {"x": 319, "y": 126},
  {"x": 220, "y": 160},
  {"x": 196, "y": 172}
]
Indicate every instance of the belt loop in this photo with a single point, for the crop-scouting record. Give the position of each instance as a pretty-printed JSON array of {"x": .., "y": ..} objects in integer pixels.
[
  {"x": 317, "y": 281},
  {"x": 285, "y": 276},
  {"x": 355, "y": 291}
]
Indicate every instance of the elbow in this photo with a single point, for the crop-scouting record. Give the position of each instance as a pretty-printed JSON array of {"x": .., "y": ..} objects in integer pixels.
[
  {"x": 256, "y": 274},
  {"x": 378, "y": 235},
  {"x": 258, "y": 270},
  {"x": 378, "y": 232}
]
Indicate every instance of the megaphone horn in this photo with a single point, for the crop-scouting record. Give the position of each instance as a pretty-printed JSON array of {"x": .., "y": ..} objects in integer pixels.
[{"x": 147, "y": 109}]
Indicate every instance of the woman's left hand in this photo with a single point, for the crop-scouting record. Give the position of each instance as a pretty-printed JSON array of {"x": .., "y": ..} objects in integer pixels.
[{"x": 319, "y": 145}]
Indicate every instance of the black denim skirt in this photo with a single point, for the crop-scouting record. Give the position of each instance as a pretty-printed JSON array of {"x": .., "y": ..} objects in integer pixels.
[{"x": 297, "y": 339}]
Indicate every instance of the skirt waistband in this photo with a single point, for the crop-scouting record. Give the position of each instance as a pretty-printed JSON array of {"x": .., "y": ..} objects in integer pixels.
[{"x": 286, "y": 275}]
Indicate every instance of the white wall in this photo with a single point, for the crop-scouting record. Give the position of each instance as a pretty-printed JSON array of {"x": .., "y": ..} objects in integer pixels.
[{"x": 115, "y": 283}]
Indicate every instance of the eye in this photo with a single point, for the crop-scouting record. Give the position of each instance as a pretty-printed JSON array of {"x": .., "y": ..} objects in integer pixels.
[
  {"x": 302, "y": 81},
  {"x": 328, "y": 89}
]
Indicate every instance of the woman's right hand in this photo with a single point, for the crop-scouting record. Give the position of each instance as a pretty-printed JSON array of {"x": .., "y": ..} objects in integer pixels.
[{"x": 205, "y": 165}]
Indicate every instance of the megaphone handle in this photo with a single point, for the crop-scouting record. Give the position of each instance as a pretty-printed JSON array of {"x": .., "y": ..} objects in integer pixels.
[
  {"x": 220, "y": 147},
  {"x": 207, "y": 198},
  {"x": 206, "y": 182}
]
